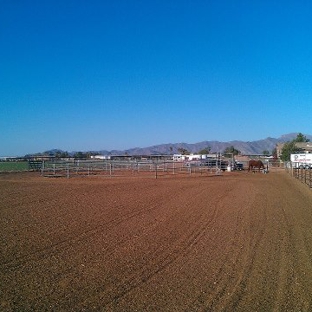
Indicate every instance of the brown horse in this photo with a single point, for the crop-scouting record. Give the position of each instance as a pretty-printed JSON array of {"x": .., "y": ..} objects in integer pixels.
[{"x": 255, "y": 164}]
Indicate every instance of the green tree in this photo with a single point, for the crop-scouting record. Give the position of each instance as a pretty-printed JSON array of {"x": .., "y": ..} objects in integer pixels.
[
  {"x": 183, "y": 151},
  {"x": 231, "y": 151},
  {"x": 288, "y": 148},
  {"x": 88, "y": 155},
  {"x": 64, "y": 155},
  {"x": 274, "y": 153},
  {"x": 205, "y": 150},
  {"x": 266, "y": 153},
  {"x": 80, "y": 155},
  {"x": 61, "y": 154},
  {"x": 291, "y": 148},
  {"x": 301, "y": 138}
]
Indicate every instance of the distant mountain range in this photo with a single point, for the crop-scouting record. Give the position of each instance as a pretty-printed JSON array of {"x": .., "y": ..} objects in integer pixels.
[{"x": 252, "y": 147}]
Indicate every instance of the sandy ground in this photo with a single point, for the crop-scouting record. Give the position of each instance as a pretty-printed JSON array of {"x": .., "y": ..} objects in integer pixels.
[{"x": 235, "y": 242}]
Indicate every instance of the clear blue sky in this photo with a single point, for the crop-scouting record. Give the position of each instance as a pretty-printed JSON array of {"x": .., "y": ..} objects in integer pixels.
[{"x": 90, "y": 75}]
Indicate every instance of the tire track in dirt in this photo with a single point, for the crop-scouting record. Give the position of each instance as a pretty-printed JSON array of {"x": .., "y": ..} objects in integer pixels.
[
  {"x": 230, "y": 282},
  {"x": 176, "y": 253},
  {"x": 162, "y": 258},
  {"x": 286, "y": 259},
  {"x": 284, "y": 282},
  {"x": 251, "y": 243},
  {"x": 256, "y": 236},
  {"x": 58, "y": 248},
  {"x": 295, "y": 264},
  {"x": 54, "y": 248}
]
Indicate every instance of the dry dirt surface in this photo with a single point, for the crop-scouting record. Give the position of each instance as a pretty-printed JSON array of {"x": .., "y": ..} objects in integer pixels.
[{"x": 235, "y": 242}]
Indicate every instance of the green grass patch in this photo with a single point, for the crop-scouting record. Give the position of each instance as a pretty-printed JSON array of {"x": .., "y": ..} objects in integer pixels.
[{"x": 6, "y": 166}]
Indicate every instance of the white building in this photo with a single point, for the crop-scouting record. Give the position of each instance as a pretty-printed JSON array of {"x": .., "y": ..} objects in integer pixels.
[
  {"x": 180, "y": 157},
  {"x": 102, "y": 157}
]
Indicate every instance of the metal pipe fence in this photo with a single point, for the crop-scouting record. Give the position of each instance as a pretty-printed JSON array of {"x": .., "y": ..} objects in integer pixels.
[
  {"x": 113, "y": 168},
  {"x": 302, "y": 174}
]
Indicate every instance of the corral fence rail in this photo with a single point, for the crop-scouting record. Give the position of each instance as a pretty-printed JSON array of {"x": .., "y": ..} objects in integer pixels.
[
  {"x": 303, "y": 174},
  {"x": 117, "y": 168}
]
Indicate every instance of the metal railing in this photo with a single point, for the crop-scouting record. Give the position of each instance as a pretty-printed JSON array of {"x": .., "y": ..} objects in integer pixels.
[
  {"x": 117, "y": 168},
  {"x": 303, "y": 174}
]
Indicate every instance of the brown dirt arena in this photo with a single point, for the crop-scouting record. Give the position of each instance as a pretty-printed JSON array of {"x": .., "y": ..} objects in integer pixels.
[{"x": 235, "y": 242}]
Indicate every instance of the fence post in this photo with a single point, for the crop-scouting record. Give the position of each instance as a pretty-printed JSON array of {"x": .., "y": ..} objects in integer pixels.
[
  {"x": 156, "y": 165},
  {"x": 305, "y": 176},
  {"x": 42, "y": 168},
  {"x": 67, "y": 169}
]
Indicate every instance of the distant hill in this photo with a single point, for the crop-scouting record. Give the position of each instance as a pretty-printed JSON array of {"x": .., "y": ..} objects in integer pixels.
[{"x": 252, "y": 147}]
